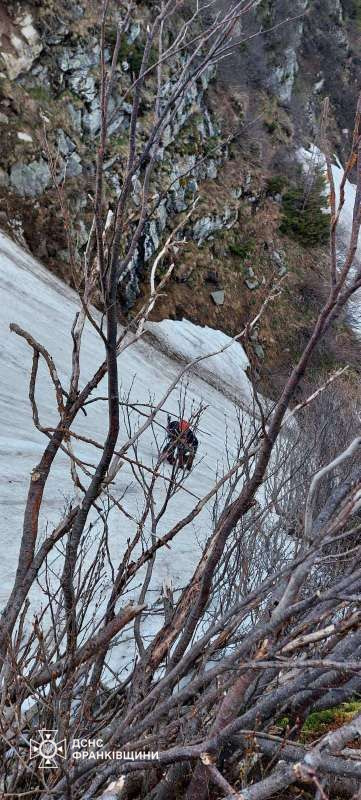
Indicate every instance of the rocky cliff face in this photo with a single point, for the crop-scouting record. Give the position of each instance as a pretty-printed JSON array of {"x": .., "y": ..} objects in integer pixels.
[{"x": 233, "y": 139}]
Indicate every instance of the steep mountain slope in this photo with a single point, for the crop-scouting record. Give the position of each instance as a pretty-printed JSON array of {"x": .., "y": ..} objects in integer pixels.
[
  {"x": 236, "y": 133},
  {"x": 45, "y": 307}
]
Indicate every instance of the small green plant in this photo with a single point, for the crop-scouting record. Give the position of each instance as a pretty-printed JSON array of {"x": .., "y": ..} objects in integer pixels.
[
  {"x": 242, "y": 249},
  {"x": 276, "y": 184},
  {"x": 283, "y": 723},
  {"x": 132, "y": 52},
  {"x": 211, "y": 145},
  {"x": 119, "y": 141},
  {"x": 265, "y": 12},
  {"x": 40, "y": 93},
  {"x": 270, "y": 125},
  {"x": 304, "y": 211},
  {"x": 319, "y": 722},
  {"x": 353, "y": 10},
  {"x": 238, "y": 267}
]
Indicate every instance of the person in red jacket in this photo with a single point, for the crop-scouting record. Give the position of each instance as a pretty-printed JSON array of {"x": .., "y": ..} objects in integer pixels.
[{"x": 181, "y": 444}]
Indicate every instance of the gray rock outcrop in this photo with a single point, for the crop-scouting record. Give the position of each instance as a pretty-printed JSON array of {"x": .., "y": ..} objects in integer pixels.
[{"x": 30, "y": 179}]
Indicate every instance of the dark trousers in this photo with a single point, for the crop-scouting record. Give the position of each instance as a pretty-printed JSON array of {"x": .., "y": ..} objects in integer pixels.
[{"x": 182, "y": 452}]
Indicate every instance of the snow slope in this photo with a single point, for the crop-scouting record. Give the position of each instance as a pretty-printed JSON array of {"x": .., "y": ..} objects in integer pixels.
[
  {"x": 188, "y": 342},
  {"x": 314, "y": 157},
  {"x": 42, "y": 305}
]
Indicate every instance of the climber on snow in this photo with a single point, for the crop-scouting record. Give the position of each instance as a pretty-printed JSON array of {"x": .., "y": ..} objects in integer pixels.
[{"x": 181, "y": 444}]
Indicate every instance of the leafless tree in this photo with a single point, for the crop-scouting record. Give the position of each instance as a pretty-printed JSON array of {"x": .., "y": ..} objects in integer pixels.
[{"x": 255, "y": 634}]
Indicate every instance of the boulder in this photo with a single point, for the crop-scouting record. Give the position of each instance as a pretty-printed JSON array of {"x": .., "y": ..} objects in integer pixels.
[
  {"x": 78, "y": 59},
  {"x": 20, "y": 42},
  {"x": 82, "y": 233},
  {"x": 176, "y": 203},
  {"x": 278, "y": 259},
  {"x": 136, "y": 190},
  {"x": 162, "y": 216},
  {"x": 92, "y": 119},
  {"x": 73, "y": 166},
  {"x": 218, "y": 297},
  {"x": 30, "y": 179},
  {"x": 61, "y": 33},
  {"x": 4, "y": 178},
  {"x": 75, "y": 117},
  {"x": 212, "y": 170},
  {"x": 151, "y": 240},
  {"x": 283, "y": 77},
  {"x": 24, "y": 137},
  {"x": 259, "y": 351},
  {"x": 192, "y": 187},
  {"x": 65, "y": 144},
  {"x": 205, "y": 125},
  {"x": 83, "y": 85},
  {"x": 119, "y": 123},
  {"x": 208, "y": 225},
  {"x": 38, "y": 77},
  {"x": 251, "y": 280},
  {"x": 134, "y": 32}
]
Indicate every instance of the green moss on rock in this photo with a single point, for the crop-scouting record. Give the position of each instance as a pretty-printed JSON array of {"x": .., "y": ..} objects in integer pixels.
[{"x": 319, "y": 722}]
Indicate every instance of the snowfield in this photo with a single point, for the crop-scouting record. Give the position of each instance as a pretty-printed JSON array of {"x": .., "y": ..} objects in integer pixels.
[
  {"x": 43, "y": 306},
  {"x": 315, "y": 158}
]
